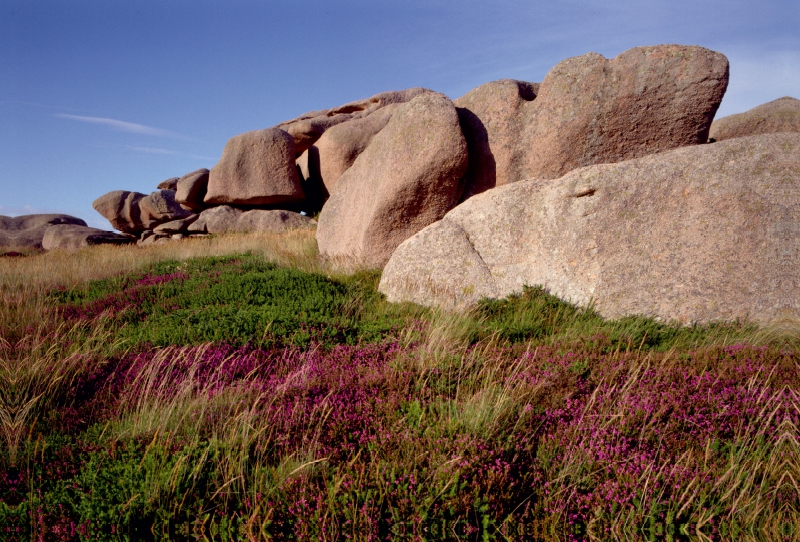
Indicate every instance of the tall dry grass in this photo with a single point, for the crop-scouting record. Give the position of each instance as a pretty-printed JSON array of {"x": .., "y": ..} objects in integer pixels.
[
  {"x": 41, "y": 355},
  {"x": 26, "y": 275}
]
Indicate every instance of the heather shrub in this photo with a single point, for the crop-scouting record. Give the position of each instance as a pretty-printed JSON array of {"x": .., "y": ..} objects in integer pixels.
[{"x": 232, "y": 396}]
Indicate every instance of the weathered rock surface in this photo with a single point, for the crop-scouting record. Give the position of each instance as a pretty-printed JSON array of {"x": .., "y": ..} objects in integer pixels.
[
  {"x": 74, "y": 237},
  {"x": 159, "y": 207},
  {"x": 309, "y": 127},
  {"x": 224, "y": 218},
  {"x": 407, "y": 178},
  {"x": 493, "y": 119},
  {"x": 176, "y": 226},
  {"x": 702, "y": 233},
  {"x": 191, "y": 189},
  {"x": 338, "y": 147},
  {"x": 28, "y": 230},
  {"x": 169, "y": 184},
  {"x": 256, "y": 168},
  {"x": 781, "y": 115},
  {"x": 591, "y": 110},
  {"x": 121, "y": 208},
  {"x": 133, "y": 212}
]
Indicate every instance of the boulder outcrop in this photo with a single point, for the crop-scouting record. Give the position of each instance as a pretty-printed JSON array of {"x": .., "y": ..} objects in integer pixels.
[
  {"x": 781, "y": 115},
  {"x": 591, "y": 110},
  {"x": 74, "y": 237},
  {"x": 134, "y": 212},
  {"x": 697, "y": 234},
  {"x": 224, "y": 219},
  {"x": 256, "y": 168},
  {"x": 407, "y": 178},
  {"x": 28, "y": 230},
  {"x": 309, "y": 127}
]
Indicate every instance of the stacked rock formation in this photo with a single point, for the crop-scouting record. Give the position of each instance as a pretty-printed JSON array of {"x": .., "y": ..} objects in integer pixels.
[
  {"x": 383, "y": 168},
  {"x": 263, "y": 178}
]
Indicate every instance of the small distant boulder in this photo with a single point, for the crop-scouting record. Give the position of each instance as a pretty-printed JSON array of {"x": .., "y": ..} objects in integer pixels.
[
  {"x": 169, "y": 184},
  {"x": 133, "y": 212},
  {"x": 407, "y": 178},
  {"x": 191, "y": 190},
  {"x": 781, "y": 115},
  {"x": 159, "y": 207},
  {"x": 256, "y": 168},
  {"x": 28, "y": 230},
  {"x": 176, "y": 226},
  {"x": 74, "y": 237},
  {"x": 224, "y": 218}
]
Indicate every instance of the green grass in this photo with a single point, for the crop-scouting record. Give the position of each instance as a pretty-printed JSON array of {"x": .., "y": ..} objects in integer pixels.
[
  {"x": 239, "y": 300},
  {"x": 536, "y": 315},
  {"x": 246, "y": 299}
]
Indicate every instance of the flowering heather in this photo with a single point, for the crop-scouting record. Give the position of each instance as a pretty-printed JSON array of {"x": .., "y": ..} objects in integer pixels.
[
  {"x": 126, "y": 415},
  {"x": 361, "y": 440}
]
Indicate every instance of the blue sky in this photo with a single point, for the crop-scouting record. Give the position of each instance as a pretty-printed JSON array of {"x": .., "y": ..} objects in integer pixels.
[{"x": 99, "y": 95}]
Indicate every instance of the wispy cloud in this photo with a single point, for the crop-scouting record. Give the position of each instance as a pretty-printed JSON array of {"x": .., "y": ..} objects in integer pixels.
[
  {"x": 122, "y": 126},
  {"x": 157, "y": 150},
  {"x": 152, "y": 150}
]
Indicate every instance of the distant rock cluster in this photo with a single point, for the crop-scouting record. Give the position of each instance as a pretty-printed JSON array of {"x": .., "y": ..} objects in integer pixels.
[
  {"x": 597, "y": 183},
  {"x": 52, "y": 231}
]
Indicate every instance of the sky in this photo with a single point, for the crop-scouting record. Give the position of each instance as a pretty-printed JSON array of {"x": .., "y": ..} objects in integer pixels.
[{"x": 101, "y": 95}]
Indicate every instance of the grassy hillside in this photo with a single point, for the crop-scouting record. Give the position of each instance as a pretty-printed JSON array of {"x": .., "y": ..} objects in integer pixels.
[{"x": 237, "y": 387}]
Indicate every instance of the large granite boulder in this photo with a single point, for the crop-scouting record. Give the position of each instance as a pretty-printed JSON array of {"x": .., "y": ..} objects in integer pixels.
[
  {"x": 591, "y": 110},
  {"x": 407, "y": 178},
  {"x": 121, "y": 209},
  {"x": 191, "y": 190},
  {"x": 74, "y": 237},
  {"x": 134, "y": 212},
  {"x": 781, "y": 115},
  {"x": 702, "y": 233},
  {"x": 309, "y": 127},
  {"x": 493, "y": 118},
  {"x": 27, "y": 231},
  {"x": 338, "y": 148},
  {"x": 224, "y": 219},
  {"x": 256, "y": 168}
]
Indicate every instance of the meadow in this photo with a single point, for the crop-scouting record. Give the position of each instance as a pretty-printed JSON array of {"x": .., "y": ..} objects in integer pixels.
[{"x": 239, "y": 388}]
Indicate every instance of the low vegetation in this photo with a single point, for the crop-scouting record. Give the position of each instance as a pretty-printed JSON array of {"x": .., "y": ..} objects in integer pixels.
[{"x": 238, "y": 388}]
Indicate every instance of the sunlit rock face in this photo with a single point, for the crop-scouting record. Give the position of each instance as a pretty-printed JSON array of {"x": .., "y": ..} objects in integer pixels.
[{"x": 697, "y": 234}]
